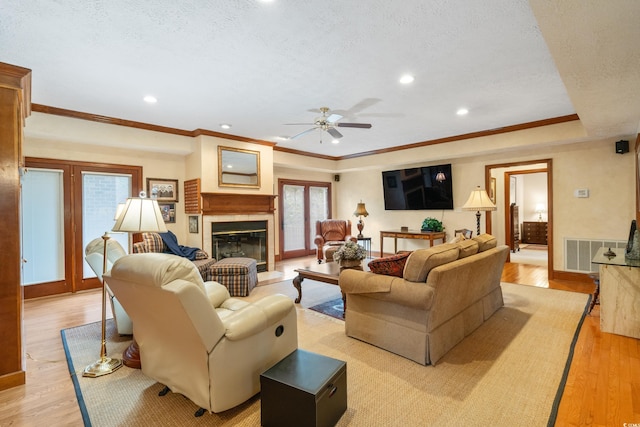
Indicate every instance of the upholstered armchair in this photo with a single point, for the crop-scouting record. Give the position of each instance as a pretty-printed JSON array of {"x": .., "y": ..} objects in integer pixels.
[
  {"x": 330, "y": 235},
  {"x": 193, "y": 337},
  {"x": 94, "y": 255}
]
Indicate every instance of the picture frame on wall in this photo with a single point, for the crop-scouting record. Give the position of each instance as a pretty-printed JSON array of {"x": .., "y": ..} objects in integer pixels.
[
  {"x": 193, "y": 224},
  {"x": 492, "y": 190},
  {"x": 168, "y": 211},
  {"x": 163, "y": 190}
]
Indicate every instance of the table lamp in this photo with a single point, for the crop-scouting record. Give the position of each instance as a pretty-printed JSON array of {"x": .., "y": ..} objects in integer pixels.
[
  {"x": 360, "y": 211},
  {"x": 479, "y": 201}
]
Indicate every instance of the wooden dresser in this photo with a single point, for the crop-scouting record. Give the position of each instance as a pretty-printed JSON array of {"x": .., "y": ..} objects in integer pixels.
[{"x": 534, "y": 232}]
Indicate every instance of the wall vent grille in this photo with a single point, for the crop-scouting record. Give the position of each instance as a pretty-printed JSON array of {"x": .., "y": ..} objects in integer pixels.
[{"x": 578, "y": 253}]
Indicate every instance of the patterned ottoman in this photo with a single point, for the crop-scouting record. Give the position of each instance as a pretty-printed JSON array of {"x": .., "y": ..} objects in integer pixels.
[{"x": 239, "y": 275}]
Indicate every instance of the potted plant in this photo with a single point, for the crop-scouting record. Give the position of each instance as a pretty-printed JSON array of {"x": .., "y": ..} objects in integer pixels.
[
  {"x": 431, "y": 224},
  {"x": 350, "y": 255}
]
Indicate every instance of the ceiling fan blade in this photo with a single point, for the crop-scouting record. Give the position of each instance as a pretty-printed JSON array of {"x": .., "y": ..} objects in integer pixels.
[
  {"x": 334, "y": 118},
  {"x": 334, "y": 133},
  {"x": 354, "y": 125},
  {"x": 301, "y": 133}
]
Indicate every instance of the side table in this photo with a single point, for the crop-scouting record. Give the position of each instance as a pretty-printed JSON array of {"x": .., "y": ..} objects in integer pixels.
[
  {"x": 304, "y": 389},
  {"x": 366, "y": 244}
]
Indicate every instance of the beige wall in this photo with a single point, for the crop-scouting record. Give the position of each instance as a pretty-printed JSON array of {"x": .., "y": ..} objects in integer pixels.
[{"x": 606, "y": 214}]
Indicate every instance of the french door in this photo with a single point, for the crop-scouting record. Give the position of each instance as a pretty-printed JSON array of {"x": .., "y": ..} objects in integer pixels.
[
  {"x": 302, "y": 203},
  {"x": 65, "y": 205}
]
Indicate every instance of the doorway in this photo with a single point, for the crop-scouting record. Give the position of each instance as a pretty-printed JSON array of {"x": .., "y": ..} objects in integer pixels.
[
  {"x": 302, "y": 203},
  {"x": 535, "y": 207},
  {"x": 65, "y": 205}
]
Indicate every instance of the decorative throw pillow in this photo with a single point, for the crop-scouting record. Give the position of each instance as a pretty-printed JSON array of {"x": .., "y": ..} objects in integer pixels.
[
  {"x": 200, "y": 254},
  {"x": 457, "y": 239},
  {"x": 153, "y": 241},
  {"x": 390, "y": 266}
]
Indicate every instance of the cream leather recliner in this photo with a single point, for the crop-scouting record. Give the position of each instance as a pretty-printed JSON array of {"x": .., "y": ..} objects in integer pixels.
[
  {"x": 94, "y": 255},
  {"x": 193, "y": 337}
]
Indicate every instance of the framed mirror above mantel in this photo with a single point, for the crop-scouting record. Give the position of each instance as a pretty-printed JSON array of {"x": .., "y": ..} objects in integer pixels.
[{"x": 238, "y": 167}]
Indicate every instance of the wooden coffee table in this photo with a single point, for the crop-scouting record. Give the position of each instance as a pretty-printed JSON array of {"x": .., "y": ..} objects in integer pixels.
[{"x": 326, "y": 272}]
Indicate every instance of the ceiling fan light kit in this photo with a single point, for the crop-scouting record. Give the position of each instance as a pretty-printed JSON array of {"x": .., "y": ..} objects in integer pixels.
[{"x": 328, "y": 123}]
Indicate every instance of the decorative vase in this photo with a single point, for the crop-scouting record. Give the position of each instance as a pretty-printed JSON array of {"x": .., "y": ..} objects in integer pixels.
[
  {"x": 350, "y": 263},
  {"x": 634, "y": 252}
]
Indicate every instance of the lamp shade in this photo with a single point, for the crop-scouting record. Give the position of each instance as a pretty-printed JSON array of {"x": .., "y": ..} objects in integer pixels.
[
  {"x": 119, "y": 210},
  {"x": 140, "y": 215},
  {"x": 479, "y": 201},
  {"x": 360, "y": 210}
]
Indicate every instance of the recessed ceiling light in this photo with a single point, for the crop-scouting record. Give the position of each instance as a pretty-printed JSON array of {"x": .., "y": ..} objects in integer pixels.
[
  {"x": 462, "y": 112},
  {"x": 335, "y": 141},
  {"x": 149, "y": 99},
  {"x": 225, "y": 126},
  {"x": 406, "y": 79}
]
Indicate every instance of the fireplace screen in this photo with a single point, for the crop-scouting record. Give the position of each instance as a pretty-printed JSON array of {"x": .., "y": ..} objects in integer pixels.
[{"x": 246, "y": 239}]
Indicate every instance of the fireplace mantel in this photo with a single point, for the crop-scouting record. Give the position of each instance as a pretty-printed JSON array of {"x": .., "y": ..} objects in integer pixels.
[{"x": 232, "y": 203}]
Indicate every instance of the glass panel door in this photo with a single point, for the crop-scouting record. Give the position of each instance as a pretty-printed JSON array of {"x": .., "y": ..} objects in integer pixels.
[
  {"x": 302, "y": 203},
  {"x": 42, "y": 226},
  {"x": 101, "y": 194},
  {"x": 318, "y": 209},
  {"x": 293, "y": 216}
]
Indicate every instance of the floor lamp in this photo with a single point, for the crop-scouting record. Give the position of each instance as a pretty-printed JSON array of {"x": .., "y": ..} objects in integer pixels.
[
  {"x": 479, "y": 201},
  {"x": 138, "y": 214}
]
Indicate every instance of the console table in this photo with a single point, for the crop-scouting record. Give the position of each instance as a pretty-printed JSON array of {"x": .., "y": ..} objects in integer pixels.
[
  {"x": 410, "y": 234},
  {"x": 619, "y": 292}
]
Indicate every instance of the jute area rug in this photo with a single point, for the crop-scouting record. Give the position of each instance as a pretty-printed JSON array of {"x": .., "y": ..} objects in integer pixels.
[{"x": 507, "y": 372}]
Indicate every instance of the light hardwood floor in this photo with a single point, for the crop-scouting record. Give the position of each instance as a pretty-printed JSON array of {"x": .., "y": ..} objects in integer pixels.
[{"x": 603, "y": 387}]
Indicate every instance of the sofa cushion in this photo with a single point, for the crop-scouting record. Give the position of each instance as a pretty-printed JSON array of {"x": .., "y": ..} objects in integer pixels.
[
  {"x": 391, "y": 266},
  {"x": 467, "y": 248},
  {"x": 422, "y": 261},
  {"x": 485, "y": 241}
]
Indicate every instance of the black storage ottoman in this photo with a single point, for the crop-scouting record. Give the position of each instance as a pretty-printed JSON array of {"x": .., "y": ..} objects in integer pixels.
[{"x": 304, "y": 389}]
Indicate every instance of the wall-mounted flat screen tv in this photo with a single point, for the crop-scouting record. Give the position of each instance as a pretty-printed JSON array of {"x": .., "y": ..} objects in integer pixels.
[{"x": 418, "y": 188}]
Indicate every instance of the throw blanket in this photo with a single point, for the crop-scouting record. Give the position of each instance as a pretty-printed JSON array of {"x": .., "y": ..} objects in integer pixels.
[{"x": 171, "y": 241}]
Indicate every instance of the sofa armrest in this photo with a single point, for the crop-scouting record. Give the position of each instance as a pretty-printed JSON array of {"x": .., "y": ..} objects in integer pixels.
[
  {"x": 400, "y": 291},
  {"x": 256, "y": 317},
  {"x": 319, "y": 240},
  {"x": 352, "y": 238}
]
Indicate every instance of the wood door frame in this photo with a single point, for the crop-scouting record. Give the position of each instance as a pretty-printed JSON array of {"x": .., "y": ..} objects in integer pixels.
[
  {"x": 73, "y": 246},
  {"x": 505, "y": 198},
  {"x": 309, "y": 249}
]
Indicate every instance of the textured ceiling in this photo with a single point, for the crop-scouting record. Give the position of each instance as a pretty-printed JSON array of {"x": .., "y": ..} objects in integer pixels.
[{"x": 259, "y": 65}]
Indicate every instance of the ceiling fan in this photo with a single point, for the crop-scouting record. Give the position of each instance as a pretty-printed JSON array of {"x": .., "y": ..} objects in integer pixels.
[{"x": 328, "y": 123}]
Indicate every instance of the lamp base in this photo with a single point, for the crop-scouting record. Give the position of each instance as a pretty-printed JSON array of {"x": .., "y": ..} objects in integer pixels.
[{"x": 104, "y": 366}]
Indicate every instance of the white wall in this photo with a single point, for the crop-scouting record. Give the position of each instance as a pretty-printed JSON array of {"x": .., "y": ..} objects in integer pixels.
[{"x": 606, "y": 214}]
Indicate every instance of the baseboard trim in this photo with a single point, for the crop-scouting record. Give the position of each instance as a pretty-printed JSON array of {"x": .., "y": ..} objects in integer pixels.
[{"x": 13, "y": 379}]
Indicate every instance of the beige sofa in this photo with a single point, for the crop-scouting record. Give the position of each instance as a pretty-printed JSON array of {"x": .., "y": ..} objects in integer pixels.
[{"x": 446, "y": 292}]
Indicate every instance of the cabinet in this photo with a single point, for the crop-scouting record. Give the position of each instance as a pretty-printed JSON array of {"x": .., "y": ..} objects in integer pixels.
[
  {"x": 515, "y": 228},
  {"x": 534, "y": 232}
]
